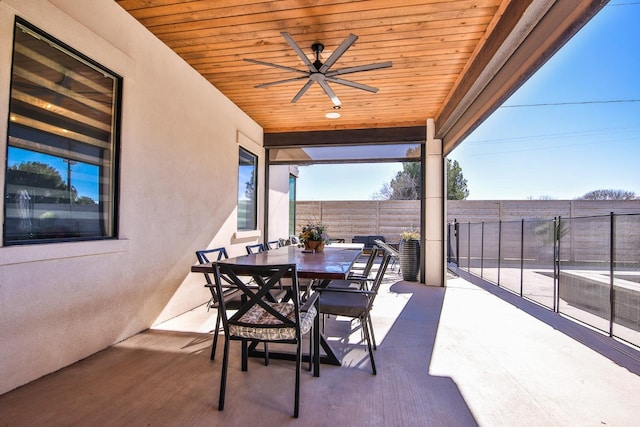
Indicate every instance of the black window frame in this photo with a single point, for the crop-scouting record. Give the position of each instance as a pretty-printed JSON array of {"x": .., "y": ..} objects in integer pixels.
[
  {"x": 244, "y": 153},
  {"x": 108, "y": 206}
]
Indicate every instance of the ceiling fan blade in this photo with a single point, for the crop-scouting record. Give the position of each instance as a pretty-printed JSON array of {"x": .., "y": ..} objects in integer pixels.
[
  {"x": 301, "y": 92},
  {"x": 330, "y": 93},
  {"x": 346, "y": 44},
  {"x": 294, "y": 79},
  {"x": 359, "y": 68},
  {"x": 282, "y": 67},
  {"x": 298, "y": 51},
  {"x": 352, "y": 84}
]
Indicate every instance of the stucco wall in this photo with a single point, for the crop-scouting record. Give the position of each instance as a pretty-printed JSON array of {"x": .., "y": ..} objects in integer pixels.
[
  {"x": 279, "y": 200},
  {"x": 179, "y": 153}
]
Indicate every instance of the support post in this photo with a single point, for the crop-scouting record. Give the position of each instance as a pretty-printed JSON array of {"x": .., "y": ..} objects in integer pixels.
[{"x": 433, "y": 259}]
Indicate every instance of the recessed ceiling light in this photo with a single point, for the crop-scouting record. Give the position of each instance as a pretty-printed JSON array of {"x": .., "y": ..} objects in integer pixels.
[{"x": 332, "y": 115}]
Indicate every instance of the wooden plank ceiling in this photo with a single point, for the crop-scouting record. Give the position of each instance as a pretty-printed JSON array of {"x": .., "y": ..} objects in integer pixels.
[{"x": 430, "y": 43}]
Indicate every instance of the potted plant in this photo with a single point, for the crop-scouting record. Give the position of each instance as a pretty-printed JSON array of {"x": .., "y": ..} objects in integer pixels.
[
  {"x": 314, "y": 236},
  {"x": 410, "y": 254}
]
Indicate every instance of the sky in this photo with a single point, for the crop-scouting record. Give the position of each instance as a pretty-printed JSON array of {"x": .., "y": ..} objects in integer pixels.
[{"x": 572, "y": 128}]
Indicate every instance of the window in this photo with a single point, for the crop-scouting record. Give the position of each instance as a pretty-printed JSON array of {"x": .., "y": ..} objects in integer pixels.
[
  {"x": 61, "y": 154},
  {"x": 247, "y": 191},
  {"x": 292, "y": 205}
]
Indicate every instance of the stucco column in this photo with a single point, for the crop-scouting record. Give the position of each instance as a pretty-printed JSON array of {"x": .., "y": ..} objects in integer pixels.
[{"x": 433, "y": 208}]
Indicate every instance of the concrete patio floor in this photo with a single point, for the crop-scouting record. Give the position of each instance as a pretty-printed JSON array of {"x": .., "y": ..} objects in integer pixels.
[{"x": 465, "y": 355}]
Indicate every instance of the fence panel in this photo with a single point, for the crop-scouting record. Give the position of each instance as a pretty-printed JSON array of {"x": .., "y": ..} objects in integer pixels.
[
  {"x": 490, "y": 246},
  {"x": 510, "y": 255},
  {"x": 463, "y": 245},
  {"x": 538, "y": 282},
  {"x": 626, "y": 282},
  {"x": 475, "y": 248},
  {"x": 584, "y": 275},
  {"x": 452, "y": 244}
]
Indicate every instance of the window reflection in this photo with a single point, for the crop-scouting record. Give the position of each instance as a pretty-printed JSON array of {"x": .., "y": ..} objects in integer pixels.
[{"x": 247, "y": 187}]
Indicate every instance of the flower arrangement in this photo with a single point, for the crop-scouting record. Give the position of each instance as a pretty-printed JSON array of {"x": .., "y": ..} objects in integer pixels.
[
  {"x": 314, "y": 232},
  {"x": 410, "y": 234}
]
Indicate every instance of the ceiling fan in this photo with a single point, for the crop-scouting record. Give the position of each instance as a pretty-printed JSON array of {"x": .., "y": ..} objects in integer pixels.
[{"x": 321, "y": 73}]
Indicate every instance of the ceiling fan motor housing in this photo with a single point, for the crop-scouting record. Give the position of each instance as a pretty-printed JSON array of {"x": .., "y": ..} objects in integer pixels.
[{"x": 317, "y": 48}]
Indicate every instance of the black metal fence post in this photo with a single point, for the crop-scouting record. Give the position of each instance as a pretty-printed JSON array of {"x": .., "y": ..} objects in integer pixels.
[
  {"x": 469, "y": 246},
  {"x": 556, "y": 262},
  {"x": 521, "y": 256},
  {"x": 612, "y": 254},
  {"x": 456, "y": 228},
  {"x": 482, "y": 250},
  {"x": 499, "y": 248}
]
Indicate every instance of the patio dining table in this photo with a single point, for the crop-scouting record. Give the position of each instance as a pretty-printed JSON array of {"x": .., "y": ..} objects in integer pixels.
[{"x": 322, "y": 267}]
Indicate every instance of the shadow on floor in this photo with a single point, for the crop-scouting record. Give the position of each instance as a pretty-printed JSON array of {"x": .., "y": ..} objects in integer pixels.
[{"x": 166, "y": 378}]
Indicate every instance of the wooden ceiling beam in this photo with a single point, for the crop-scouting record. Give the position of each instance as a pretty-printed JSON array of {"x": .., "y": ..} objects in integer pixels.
[{"x": 396, "y": 135}]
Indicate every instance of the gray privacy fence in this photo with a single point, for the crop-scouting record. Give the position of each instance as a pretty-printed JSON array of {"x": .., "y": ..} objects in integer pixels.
[
  {"x": 587, "y": 268},
  {"x": 388, "y": 218},
  {"x": 346, "y": 219}
]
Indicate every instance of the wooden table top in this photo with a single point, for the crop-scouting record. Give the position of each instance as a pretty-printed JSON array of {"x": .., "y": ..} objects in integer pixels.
[{"x": 332, "y": 263}]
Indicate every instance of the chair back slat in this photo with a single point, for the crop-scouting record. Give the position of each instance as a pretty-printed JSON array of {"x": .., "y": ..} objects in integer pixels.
[
  {"x": 274, "y": 244},
  {"x": 254, "y": 249},
  {"x": 370, "y": 261},
  {"x": 209, "y": 255},
  {"x": 382, "y": 270},
  {"x": 256, "y": 283}
]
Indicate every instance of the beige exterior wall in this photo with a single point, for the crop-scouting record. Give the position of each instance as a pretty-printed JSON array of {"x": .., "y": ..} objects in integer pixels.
[
  {"x": 60, "y": 303},
  {"x": 279, "y": 200}
]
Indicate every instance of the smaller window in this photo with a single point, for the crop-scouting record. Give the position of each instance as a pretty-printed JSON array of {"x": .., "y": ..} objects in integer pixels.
[
  {"x": 292, "y": 205},
  {"x": 247, "y": 191}
]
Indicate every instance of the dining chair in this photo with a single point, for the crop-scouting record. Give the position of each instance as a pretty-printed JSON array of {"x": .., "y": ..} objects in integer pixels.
[
  {"x": 358, "y": 278},
  {"x": 259, "y": 319},
  {"x": 356, "y": 304},
  {"x": 395, "y": 255},
  {"x": 294, "y": 240},
  {"x": 209, "y": 255},
  {"x": 255, "y": 249},
  {"x": 274, "y": 244}
]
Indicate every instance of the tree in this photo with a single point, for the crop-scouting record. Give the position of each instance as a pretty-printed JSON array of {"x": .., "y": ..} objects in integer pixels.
[
  {"x": 456, "y": 184},
  {"x": 407, "y": 183},
  {"x": 47, "y": 181},
  {"x": 250, "y": 186},
  {"x": 35, "y": 174},
  {"x": 608, "y": 195}
]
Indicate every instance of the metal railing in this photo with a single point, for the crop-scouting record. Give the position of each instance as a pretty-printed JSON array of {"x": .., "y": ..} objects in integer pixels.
[{"x": 587, "y": 268}]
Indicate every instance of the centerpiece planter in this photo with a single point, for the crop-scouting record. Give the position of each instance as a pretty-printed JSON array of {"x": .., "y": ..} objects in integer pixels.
[
  {"x": 316, "y": 245},
  {"x": 314, "y": 236},
  {"x": 410, "y": 255}
]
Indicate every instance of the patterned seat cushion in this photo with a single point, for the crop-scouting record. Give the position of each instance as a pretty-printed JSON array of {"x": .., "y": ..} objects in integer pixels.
[{"x": 258, "y": 316}]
